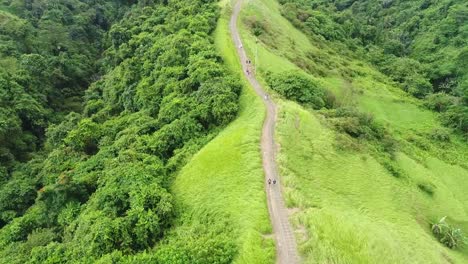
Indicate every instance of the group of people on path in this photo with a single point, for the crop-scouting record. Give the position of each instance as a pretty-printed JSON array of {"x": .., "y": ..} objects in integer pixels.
[{"x": 248, "y": 62}]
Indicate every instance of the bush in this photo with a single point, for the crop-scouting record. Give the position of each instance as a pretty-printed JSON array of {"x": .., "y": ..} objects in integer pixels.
[
  {"x": 457, "y": 117},
  {"x": 331, "y": 100},
  {"x": 417, "y": 86},
  {"x": 343, "y": 142},
  {"x": 258, "y": 27},
  {"x": 427, "y": 188},
  {"x": 439, "y": 102},
  {"x": 447, "y": 234},
  {"x": 394, "y": 170},
  {"x": 209, "y": 242},
  {"x": 356, "y": 124},
  {"x": 298, "y": 87},
  {"x": 440, "y": 134}
]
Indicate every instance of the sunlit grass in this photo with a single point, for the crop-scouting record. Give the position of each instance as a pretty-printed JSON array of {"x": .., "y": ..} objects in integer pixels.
[
  {"x": 348, "y": 205},
  {"x": 225, "y": 178}
]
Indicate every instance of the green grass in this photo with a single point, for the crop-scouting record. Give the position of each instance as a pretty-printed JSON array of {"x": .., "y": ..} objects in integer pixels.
[
  {"x": 224, "y": 180},
  {"x": 350, "y": 209}
]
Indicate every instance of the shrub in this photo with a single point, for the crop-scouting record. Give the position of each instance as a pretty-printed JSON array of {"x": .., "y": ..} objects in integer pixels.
[
  {"x": 447, "y": 234},
  {"x": 343, "y": 142},
  {"x": 457, "y": 117},
  {"x": 417, "y": 86},
  {"x": 330, "y": 100},
  {"x": 258, "y": 27},
  {"x": 201, "y": 242},
  {"x": 427, "y": 188},
  {"x": 356, "y": 124},
  {"x": 439, "y": 102},
  {"x": 298, "y": 87},
  {"x": 440, "y": 134},
  {"x": 394, "y": 170}
]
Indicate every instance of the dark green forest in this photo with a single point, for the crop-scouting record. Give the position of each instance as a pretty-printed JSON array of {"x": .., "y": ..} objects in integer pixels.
[
  {"x": 422, "y": 45},
  {"x": 101, "y": 103}
]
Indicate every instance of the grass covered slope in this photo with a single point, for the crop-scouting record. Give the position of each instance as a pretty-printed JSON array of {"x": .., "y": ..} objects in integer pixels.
[
  {"x": 220, "y": 192},
  {"x": 223, "y": 186},
  {"x": 351, "y": 205},
  {"x": 353, "y": 209}
]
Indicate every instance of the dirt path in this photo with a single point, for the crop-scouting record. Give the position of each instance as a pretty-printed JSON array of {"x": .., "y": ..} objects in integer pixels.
[{"x": 286, "y": 251}]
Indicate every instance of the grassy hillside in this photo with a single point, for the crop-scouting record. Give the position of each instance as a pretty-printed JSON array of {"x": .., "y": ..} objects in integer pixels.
[
  {"x": 421, "y": 44},
  {"x": 350, "y": 207},
  {"x": 222, "y": 186}
]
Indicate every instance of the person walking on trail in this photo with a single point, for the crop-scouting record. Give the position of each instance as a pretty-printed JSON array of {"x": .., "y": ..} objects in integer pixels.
[
  {"x": 269, "y": 181},
  {"x": 274, "y": 181}
]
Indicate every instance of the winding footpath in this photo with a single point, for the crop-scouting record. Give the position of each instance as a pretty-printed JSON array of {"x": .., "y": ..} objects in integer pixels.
[{"x": 286, "y": 250}]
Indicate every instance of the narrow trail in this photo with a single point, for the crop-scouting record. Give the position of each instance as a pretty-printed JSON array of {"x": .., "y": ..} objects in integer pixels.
[{"x": 286, "y": 250}]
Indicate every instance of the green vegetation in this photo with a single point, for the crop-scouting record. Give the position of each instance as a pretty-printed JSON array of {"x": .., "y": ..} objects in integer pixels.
[
  {"x": 421, "y": 44},
  {"x": 298, "y": 87},
  {"x": 448, "y": 235},
  {"x": 99, "y": 185},
  {"x": 127, "y": 135},
  {"x": 49, "y": 54},
  {"x": 369, "y": 174},
  {"x": 220, "y": 192}
]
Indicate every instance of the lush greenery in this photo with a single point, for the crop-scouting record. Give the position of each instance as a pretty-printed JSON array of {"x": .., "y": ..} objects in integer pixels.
[
  {"x": 367, "y": 176},
  {"x": 94, "y": 186},
  {"x": 49, "y": 54},
  {"x": 119, "y": 141},
  {"x": 421, "y": 44},
  {"x": 447, "y": 234},
  {"x": 298, "y": 87}
]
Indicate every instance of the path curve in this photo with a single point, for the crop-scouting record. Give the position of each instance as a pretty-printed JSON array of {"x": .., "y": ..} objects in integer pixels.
[{"x": 286, "y": 249}]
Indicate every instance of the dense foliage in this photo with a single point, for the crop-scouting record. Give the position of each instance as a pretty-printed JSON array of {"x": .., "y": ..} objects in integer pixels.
[
  {"x": 447, "y": 234},
  {"x": 49, "y": 54},
  {"x": 422, "y": 45},
  {"x": 298, "y": 87},
  {"x": 99, "y": 188}
]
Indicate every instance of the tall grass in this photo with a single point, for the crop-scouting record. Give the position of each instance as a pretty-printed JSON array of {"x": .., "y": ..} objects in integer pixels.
[{"x": 349, "y": 208}]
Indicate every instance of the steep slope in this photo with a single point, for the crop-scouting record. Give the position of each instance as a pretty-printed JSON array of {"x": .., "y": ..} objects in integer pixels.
[
  {"x": 286, "y": 249},
  {"x": 102, "y": 192},
  {"x": 49, "y": 54},
  {"x": 422, "y": 44},
  {"x": 366, "y": 175},
  {"x": 220, "y": 191}
]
